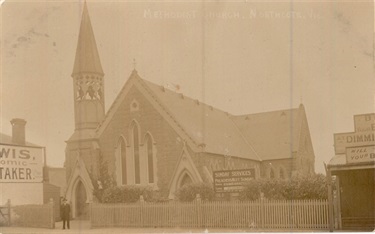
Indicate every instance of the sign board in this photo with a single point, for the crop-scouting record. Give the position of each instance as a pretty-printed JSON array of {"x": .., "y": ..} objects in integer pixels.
[
  {"x": 353, "y": 139},
  {"x": 21, "y": 164},
  {"x": 360, "y": 154},
  {"x": 364, "y": 123},
  {"x": 231, "y": 181}
]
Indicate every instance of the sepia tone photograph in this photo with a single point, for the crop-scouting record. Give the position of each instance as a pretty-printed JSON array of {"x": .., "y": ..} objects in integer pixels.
[{"x": 187, "y": 116}]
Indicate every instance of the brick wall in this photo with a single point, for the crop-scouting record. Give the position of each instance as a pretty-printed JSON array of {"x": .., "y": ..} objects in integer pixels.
[
  {"x": 57, "y": 177},
  {"x": 168, "y": 144},
  {"x": 52, "y": 191},
  {"x": 306, "y": 161},
  {"x": 288, "y": 165}
]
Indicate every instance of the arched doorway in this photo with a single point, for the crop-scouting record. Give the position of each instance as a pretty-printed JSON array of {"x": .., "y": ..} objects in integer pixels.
[
  {"x": 186, "y": 179},
  {"x": 81, "y": 207}
]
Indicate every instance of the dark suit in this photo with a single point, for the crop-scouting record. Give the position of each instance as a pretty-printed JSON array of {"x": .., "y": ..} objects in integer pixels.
[{"x": 65, "y": 214}]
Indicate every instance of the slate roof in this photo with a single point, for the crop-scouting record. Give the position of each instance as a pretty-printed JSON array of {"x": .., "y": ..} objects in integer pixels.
[
  {"x": 262, "y": 136},
  {"x": 87, "y": 56},
  {"x": 275, "y": 134},
  {"x": 7, "y": 140},
  {"x": 207, "y": 126}
]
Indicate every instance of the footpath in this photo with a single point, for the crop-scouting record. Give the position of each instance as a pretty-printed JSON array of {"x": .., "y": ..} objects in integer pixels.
[{"x": 83, "y": 227}]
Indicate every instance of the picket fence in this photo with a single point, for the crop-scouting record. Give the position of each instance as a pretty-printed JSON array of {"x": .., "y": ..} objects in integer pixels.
[{"x": 261, "y": 214}]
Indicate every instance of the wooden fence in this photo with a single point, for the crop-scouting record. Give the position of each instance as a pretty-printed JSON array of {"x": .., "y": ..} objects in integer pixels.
[
  {"x": 5, "y": 214},
  {"x": 32, "y": 215},
  {"x": 263, "y": 214}
]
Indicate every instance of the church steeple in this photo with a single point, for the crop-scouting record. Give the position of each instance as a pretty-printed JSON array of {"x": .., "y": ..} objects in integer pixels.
[
  {"x": 88, "y": 78},
  {"x": 87, "y": 56}
]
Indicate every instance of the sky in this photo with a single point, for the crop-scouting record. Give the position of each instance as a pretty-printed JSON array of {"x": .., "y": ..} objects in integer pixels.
[{"x": 242, "y": 57}]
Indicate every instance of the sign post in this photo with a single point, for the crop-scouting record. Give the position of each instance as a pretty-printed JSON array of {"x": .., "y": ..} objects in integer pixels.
[{"x": 330, "y": 199}]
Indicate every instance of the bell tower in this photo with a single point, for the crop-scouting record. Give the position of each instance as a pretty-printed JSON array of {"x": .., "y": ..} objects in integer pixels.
[
  {"x": 88, "y": 82},
  {"x": 82, "y": 148}
]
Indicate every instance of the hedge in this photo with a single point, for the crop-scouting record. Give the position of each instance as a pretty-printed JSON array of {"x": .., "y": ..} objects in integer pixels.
[{"x": 298, "y": 187}]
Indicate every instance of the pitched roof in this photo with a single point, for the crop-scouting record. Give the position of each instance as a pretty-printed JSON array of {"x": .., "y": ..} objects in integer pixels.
[
  {"x": 7, "y": 140},
  {"x": 275, "y": 134},
  {"x": 208, "y": 126},
  {"x": 87, "y": 56},
  {"x": 262, "y": 136}
]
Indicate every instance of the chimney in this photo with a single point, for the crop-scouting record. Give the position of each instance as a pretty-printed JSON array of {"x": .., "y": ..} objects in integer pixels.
[{"x": 18, "y": 131}]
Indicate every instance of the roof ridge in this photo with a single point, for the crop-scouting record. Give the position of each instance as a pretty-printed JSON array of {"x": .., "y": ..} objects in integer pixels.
[
  {"x": 267, "y": 112},
  {"x": 6, "y": 139}
]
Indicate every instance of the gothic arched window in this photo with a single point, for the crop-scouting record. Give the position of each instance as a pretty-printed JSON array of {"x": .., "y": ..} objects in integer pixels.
[
  {"x": 136, "y": 155},
  {"x": 123, "y": 161},
  {"x": 272, "y": 173},
  {"x": 282, "y": 173},
  {"x": 150, "y": 159}
]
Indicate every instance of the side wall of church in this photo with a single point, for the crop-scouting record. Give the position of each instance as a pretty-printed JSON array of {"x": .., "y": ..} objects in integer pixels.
[
  {"x": 167, "y": 142},
  {"x": 306, "y": 157},
  {"x": 282, "y": 168}
]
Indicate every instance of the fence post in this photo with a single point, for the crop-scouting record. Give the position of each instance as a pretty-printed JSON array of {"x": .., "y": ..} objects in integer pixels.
[
  {"x": 90, "y": 208},
  {"x": 9, "y": 214},
  {"x": 141, "y": 203},
  {"x": 52, "y": 213},
  {"x": 338, "y": 202},
  {"x": 262, "y": 209},
  {"x": 199, "y": 209}
]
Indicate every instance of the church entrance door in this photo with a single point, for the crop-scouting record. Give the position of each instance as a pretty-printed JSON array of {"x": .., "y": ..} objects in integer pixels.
[
  {"x": 186, "y": 179},
  {"x": 81, "y": 207}
]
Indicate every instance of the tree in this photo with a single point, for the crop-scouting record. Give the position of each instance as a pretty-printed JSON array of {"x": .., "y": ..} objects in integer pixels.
[{"x": 104, "y": 181}]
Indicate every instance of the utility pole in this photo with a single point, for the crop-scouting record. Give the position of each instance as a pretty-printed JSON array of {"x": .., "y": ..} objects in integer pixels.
[{"x": 330, "y": 198}]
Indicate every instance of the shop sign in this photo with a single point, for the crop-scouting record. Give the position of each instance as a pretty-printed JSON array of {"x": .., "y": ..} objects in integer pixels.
[
  {"x": 353, "y": 139},
  {"x": 360, "y": 154},
  {"x": 21, "y": 164},
  {"x": 364, "y": 123}
]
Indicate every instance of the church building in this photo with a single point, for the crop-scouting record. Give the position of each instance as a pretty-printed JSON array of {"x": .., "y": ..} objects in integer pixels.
[{"x": 154, "y": 136}]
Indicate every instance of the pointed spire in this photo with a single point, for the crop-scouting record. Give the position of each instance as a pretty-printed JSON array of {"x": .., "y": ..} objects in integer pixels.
[
  {"x": 134, "y": 64},
  {"x": 87, "y": 56}
]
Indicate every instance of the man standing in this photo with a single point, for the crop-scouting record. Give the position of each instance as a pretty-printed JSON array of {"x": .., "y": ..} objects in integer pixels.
[{"x": 65, "y": 213}]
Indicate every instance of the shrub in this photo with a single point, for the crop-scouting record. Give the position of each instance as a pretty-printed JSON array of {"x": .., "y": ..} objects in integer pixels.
[
  {"x": 298, "y": 187},
  {"x": 251, "y": 190},
  {"x": 306, "y": 187},
  {"x": 126, "y": 194},
  {"x": 188, "y": 192}
]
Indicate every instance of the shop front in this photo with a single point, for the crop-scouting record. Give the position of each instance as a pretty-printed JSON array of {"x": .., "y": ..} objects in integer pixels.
[{"x": 354, "y": 168}]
